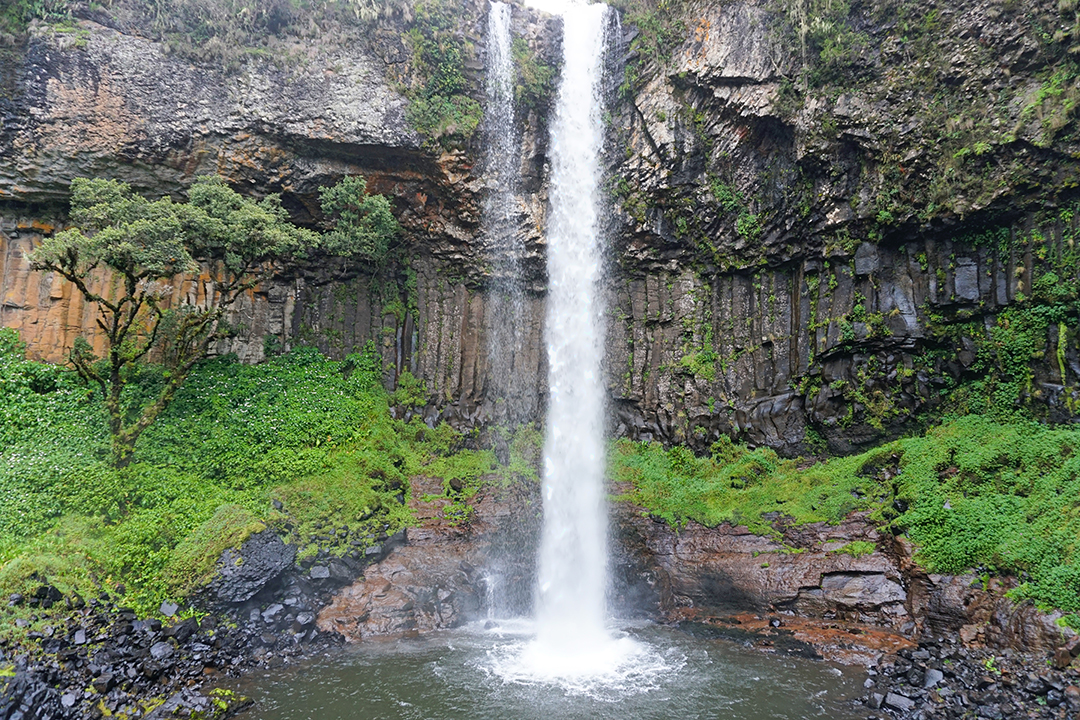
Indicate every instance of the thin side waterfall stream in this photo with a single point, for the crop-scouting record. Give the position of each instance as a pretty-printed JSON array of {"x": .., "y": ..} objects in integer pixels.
[
  {"x": 502, "y": 152},
  {"x": 573, "y": 659}
]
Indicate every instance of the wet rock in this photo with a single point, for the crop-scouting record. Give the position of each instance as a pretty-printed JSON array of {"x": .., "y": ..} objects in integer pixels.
[
  {"x": 104, "y": 683},
  {"x": 932, "y": 677},
  {"x": 428, "y": 582},
  {"x": 899, "y": 702},
  {"x": 243, "y": 573},
  {"x": 191, "y": 704},
  {"x": 272, "y": 613},
  {"x": 182, "y": 630},
  {"x": 866, "y": 259},
  {"x": 967, "y": 279},
  {"x": 162, "y": 650},
  {"x": 47, "y": 592},
  {"x": 28, "y": 697},
  {"x": 341, "y": 571}
]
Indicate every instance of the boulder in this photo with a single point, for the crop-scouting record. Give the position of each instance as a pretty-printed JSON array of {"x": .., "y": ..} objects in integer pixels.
[{"x": 244, "y": 572}]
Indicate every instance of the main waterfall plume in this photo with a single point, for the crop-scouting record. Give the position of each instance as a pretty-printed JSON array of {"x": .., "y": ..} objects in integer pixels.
[
  {"x": 571, "y": 607},
  {"x": 573, "y": 645}
]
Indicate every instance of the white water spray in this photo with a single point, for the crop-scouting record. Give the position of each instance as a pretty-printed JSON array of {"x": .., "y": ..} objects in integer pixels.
[{"x": 571, "y": 607}]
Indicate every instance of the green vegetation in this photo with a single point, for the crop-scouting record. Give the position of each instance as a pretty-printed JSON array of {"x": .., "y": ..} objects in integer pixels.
[
  {"x": 1019, "y": 337},
  {"x": 145, "y": 244},
  {"x": 313, "y": 434},
  {"x": 364, "y": 227},
  {"x": 974, "y": 493},
  {"x": 440, "y": 107},
  {"x": 830, "y": 48},
  {"x": 856, "y": 549},
  {"x": 17, "y": 14},
  {"x": 535, "y": 78},
  {"x": 221, "y": 32},
  {"x": 659, "y": 29}
]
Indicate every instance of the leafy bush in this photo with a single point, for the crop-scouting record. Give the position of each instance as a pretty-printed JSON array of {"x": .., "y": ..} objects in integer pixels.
[
  {"x": 363, "y": 223},
  {"x": 440, "y": 107},
  {"x": 535, "y": 78},
  {"x": 313, "y": 434},
  {"x": 17, "y": 14}
]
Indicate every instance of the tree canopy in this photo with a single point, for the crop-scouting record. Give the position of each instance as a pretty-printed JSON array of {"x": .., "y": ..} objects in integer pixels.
[{"x": 145, "y": 244}]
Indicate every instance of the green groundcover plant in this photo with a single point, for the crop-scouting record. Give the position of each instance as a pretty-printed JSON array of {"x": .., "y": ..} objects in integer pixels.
[
  {"x": 997, "y": 496},
  {"x": 313, "y": 434}
]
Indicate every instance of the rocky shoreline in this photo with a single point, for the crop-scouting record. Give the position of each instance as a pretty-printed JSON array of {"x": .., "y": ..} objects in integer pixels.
[
  {"x": 941, "y": 679},
  {"x": 100, "y": 659}
]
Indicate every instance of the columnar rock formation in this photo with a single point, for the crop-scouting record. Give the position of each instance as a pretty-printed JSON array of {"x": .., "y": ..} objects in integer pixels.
[{"x": 799, "y": 256}]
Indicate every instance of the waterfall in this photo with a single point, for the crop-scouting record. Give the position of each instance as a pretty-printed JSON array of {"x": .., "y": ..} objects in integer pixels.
[
  {"x": 572, "y": 580},
  {"x": 572, "y": 645},
  {"x": 508, "y": 389}
]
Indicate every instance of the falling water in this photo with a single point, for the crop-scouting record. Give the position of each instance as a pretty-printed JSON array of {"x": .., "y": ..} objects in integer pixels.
[
  {"x": 501, "y": 172},
  {"x": 572, "y": 578},
  {"x": 573, "y": 646}
]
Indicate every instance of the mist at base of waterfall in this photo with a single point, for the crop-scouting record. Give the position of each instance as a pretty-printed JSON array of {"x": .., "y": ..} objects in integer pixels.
[{"x": 478, "y": 673}]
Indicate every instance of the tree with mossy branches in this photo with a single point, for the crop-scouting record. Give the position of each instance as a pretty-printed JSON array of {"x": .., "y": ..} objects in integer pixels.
[{"x": 144, "y": 244}]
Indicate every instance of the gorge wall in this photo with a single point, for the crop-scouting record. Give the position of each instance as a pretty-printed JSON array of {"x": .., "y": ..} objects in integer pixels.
[{"x": 820, "y": 215}]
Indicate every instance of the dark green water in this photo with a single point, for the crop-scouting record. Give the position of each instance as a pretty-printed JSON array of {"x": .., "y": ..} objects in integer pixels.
[{"x": 474, "y": 674}]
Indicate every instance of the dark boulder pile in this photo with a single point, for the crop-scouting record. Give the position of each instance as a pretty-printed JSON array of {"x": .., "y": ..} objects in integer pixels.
[
  {"x": 943, "y": 680},
  {"x": 99, "y": 659},
  {"x": 102, "y": 661}
]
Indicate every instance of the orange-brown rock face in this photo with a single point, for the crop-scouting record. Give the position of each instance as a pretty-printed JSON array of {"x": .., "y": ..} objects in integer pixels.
[
  {"x": 729, "y": 568},
  {"x": 122, "y": 106},
  {"x": 50, "y": 313},
  {"x": 706, "y": 573},
  {"x": 437, "y": 579}
]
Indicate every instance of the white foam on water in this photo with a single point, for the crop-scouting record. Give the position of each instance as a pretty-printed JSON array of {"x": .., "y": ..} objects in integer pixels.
[{"x": 617, "y": 667}]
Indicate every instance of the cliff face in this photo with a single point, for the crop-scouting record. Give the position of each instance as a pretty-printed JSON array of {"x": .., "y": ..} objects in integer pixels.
[
  {"x": 820, "y": 216},
  {"x": 101, "y": 102},
  {"x": 830, "y": 211}
]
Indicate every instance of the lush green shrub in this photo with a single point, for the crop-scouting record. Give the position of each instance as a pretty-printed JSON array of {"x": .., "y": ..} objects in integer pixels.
[
  {"x": 535, "y": 79},
  {"x": 440, "y": 107},
  {"x": 15, "y": 15},
  {"x": 974, "y": 493},
  {"x": 313, "y": 434}
]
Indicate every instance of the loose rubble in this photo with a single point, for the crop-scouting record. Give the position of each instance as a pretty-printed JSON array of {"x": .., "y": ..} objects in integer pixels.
[
  {"x": 942, "y": 680},
  {"x": 101, "y": 659}
]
